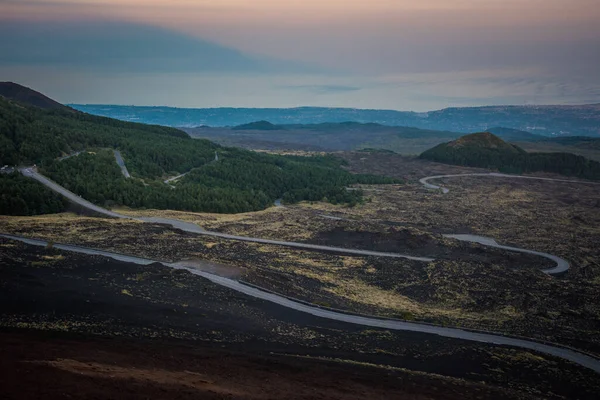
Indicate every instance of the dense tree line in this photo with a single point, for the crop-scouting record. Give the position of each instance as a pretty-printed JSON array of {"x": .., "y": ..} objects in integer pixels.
[
  {"x": 291, "y": 178},
  {"x": 584, "y": 142},
  {"x": 30, "y": 135},
  {"x": 561, "y": 163},
  {"x": 516, "y": 162},
  {"x": 23, "y": 196},
  {"x": 250, "y": 182},
  {"x": 97, "y": 178}
]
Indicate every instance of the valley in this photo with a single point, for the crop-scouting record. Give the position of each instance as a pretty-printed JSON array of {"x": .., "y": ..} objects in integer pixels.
[
  {"x": 341, "y": 261},
  {"x": 299, "y": 200},
  {"x": 305, "y": 223}
]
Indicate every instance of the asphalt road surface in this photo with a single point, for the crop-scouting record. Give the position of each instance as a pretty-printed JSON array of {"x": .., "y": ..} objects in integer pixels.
[
  {"x": 173, "y": 179},
  {"x": 425, "y": 181},
  {"x": 30, "y": 173},
  {"x": 562, "y": 265},
  {"x": 121, "y": 164}
]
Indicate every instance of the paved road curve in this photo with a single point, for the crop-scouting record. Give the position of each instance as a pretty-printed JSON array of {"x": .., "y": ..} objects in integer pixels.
[
  {"x": 30, "y": 173},
  {"x": 557, "y": 351},
  {"x": 425, "y": 181},
  {"x": 562, "y": 265},
  {"x": 121, "y": 163},
  {"x": 173, "y": 179}
]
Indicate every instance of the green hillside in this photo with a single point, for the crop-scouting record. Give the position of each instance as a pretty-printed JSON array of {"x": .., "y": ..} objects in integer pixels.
[
  {"x": 489, "y": 151},
  {"x": 24, "y": 95},
  {"x": 23, "y": 196},
  {"x": 31, "y": 135},
  {"x": 239, "y": 181}
]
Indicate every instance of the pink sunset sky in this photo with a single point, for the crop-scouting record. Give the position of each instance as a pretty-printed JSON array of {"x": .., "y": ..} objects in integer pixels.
[{"x": 387, "y": 53}]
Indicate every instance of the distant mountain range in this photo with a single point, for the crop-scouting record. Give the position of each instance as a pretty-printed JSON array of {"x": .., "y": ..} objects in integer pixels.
[
  {"x": 583, "y": 120},
  {"x": 327, "y": 136},
  {"x": 344, "y": 136}
]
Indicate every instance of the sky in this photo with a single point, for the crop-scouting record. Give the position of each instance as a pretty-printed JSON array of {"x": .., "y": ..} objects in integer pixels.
[{"x": 394, "y": 54}]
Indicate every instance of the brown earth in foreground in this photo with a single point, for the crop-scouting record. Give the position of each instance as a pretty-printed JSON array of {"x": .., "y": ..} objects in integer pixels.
[{"x": 36, "y": 366}]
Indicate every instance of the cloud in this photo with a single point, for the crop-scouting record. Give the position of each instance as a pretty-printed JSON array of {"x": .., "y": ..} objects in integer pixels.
[
  {"x": 493, "y": 87},
  {"x": 322, "y": 89},
  {"x": 119, "y": 46},
  {"x": 396, "y": 54},
  {"x": 369, "y": 37}
]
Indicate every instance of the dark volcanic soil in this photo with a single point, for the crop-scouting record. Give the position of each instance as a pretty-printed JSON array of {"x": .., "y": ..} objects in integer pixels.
[
  {"x": 150, "y": 331},
  {"x": 408, "y": 168},
  {"x": 399, "y": 240},
  {"x": 36, "y": 366},
  {"x": 507, "y": 290}
]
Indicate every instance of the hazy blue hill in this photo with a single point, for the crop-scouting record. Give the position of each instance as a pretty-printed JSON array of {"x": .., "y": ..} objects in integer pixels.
[
  {"x": 326, "y": 136},
  {"x": 258, "y": 126},
  {"x": 545, "y": 120},
  {"x": 539, "y": 120},
  {"x": 221, "y": 117}
]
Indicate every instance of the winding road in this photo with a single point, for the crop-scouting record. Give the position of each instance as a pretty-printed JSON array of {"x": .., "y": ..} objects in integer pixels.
[
  {"x": 425, "y": 181},
  {"x": 31, "y": 173},
  {"x": 193, "y": 228},
  {"x": 561, "y": 264},
  {"x": 553, "y": 350}
]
